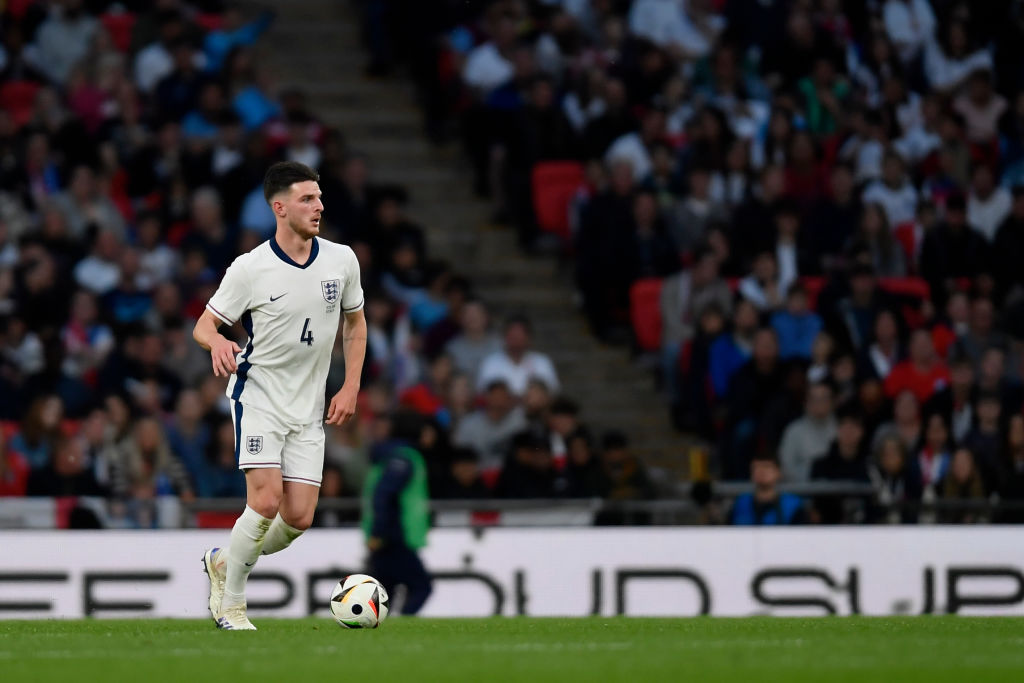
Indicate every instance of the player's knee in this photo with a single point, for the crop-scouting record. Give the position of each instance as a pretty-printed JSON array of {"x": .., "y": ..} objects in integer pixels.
[
  {"x": 266, "y": 501},
  {"x": 300, "y": 519}
]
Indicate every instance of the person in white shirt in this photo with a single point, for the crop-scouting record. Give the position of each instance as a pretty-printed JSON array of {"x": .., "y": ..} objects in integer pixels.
[
  {"x": 99, "y": 272},
  {"x": 489, "y": 65},
  {"x": 988, "y": 205},
  {"x": 63, "y": 39},
  {"x": 894, "y": 192},
  {"x": 948, "y": 63},
  {"x": 687, "y": 28},
  {"x": 910, "y": 25},
  {"x": 290, "y": 294},
  {"x": 516, "y": 364},
  {"x": 635, "y": 147}
]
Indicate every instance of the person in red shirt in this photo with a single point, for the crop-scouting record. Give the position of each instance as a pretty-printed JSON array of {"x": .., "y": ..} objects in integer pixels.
[
  {"x": 922, "y": 373},
  {"x": 13, "y": 471}
]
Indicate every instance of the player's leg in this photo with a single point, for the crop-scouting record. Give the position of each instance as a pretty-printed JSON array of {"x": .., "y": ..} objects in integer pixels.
[
  {"x": 294, "y": 516},
  {"x": 418, "y": 584},
  {"x": 302, "y": 465},
  {"x": 258, "y": 444}
]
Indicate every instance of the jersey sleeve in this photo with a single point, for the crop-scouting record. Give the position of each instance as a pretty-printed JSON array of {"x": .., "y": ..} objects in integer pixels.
[
  {"x": 352, "y": 297},
  {"x": 234, "y": 296}
]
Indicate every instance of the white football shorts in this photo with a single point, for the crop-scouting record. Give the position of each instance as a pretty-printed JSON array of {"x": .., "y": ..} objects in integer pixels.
[{"x": 263, "y": 440}]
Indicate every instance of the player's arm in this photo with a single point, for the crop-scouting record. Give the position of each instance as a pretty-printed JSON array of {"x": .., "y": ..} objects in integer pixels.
[
  {"x": 353, "y": 336},
  {"x": 222, "y": 350}
]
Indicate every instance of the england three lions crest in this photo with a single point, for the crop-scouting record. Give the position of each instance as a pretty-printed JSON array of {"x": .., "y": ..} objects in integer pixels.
[
  {"x": 331, "y": 290},
  {"x": 254, "y": 444}
]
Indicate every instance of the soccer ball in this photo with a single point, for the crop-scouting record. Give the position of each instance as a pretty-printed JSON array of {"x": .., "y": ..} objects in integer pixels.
[{"x": 359, "y": 601}]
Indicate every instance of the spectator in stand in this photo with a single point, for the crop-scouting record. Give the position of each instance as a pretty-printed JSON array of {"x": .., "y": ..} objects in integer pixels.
[
  {"x": 488, "y": 429},
  {"x": 14, "y": 470},
  {"x": 516, "y": 364},
  {"x": 219, "y": 476},
  {"x": 889, "y": 475},
  {"x": 834, "y": 218},
  {"x": 188, "y": 436},
  {"x": 988, "y": 205},
  {"x": 234, "y": 31},
  {"x": 463, "y": 481},
  {"x": 87, "y": 343},
  {"x": 957, "y": 401},
  {"x": 475, "y": 342},
  {"x": 981, "y": 332},
  {"x": 67, "y": 473},
  {"x": 694, "y": 214},
  {"x": 910, "y": 25},
  {"x": 874, "y": 244},
  {"x": 64, "y": 39},
  {"x": 1012, "y": 470},
  {"x": 1009, "y": 242},
  {"x": 147, "y": 468},
  {"x": 845, "y": 461},
  {"x": 985, "y": 439},
  {"x": 764, "y": 286},
  {"x": 683, "y": 298},
  {"x": 731, "y": 351},
  {"x": 529, "y": 469},
  {"x": 796, "y": 326},
  {"x": 923, "y": 372},
  {"x": 894, "y": 192},
  {"x": 877, "y": 359},
  {"x": 39, "y": 431},
  {"x": 583, "y": 467},
  {"x": 753, "y": 221},
  {"x": 767, "y": 506},
  {"x": 963, "y": 483},
  {"x": 950, "y": 60},
  {"x": 754, "y": 387},
  {"x": 809, "y": 436},
  {"x": 906, "y": 424},
  {"x": 84, "y": 204},
  {"x": 100, "y": 272},
  {"x": 929, "y": 468},
  {"x": 624, "y": 478}
]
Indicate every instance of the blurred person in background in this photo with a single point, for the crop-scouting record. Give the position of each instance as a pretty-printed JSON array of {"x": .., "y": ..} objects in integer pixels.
[
  {"x": 796, "y": 325},
  {"x": 14, "y": 470},
  {"x": 809, "y": 436},
  {"x": 845, "y": 461},
  {"x": 516, "y": 364},
  {"x": 529, "y": 470},
  {"x": 463, "y": 481},
  {"x": 39, "y": 431},
  {"x": 963, "y": 483},
  {"x": 475, "y": 341},
  {"x": 890, "y": 477},
  {"x": 766, "y": 505},
  {"x": 1011, "y": 486},
  {"x": 67, "y": 473},
  {"x": 624, "y": 478},
  {"x": 396, "y": 515},
  {"x": 488, "y": 429},
  {"x": 147, "y": 468}
]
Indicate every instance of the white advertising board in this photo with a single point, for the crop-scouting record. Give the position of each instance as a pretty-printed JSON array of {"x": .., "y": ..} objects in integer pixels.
[{"x": 652, "y": 571}]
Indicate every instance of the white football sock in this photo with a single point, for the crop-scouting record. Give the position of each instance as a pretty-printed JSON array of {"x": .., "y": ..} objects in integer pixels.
[
  {"x": 247, "y": 538},
  {"x": 280, "y": 536}
]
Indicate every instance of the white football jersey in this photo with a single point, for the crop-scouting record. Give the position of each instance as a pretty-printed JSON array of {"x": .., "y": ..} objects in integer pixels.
[{"x": 291, "y": 313}]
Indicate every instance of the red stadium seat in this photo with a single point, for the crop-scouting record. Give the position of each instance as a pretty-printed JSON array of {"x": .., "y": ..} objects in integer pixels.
[
  {"x": 906, "y": 286},
  {"x": 813, "y": 285},
  {"x": 554, "y": 184},
  {"x": 216, "y": 520},
  {"x": 208, "y": 21},
  {"x": 645, "y": 313},
  {"x": 119, "y": 25},
  {"x": 18, "y": 97}
]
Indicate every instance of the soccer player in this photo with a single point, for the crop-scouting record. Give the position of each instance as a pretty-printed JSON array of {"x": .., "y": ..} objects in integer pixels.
[{"x": 289, "y": 293}]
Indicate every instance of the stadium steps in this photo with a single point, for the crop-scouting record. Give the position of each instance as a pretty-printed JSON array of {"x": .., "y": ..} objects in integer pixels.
[{"x": 317, "y": 48}]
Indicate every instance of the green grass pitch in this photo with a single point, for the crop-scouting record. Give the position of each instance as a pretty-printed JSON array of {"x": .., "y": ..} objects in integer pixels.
[{"x": 866, "y": 650}]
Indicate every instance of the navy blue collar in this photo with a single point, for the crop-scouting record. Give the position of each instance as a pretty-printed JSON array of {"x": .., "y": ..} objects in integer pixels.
[{"x": 288, "y": 259}]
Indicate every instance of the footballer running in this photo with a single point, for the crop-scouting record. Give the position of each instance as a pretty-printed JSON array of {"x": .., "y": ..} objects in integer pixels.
[{"x": 289, "y": 294}]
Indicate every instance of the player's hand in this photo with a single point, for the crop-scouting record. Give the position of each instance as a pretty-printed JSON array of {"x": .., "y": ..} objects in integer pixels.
[
  {"x": 343, "y": 406},
  {"x": 222, "y": 355}
]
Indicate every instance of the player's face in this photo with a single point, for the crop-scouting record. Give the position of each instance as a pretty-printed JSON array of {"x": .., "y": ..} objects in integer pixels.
[{"x": 304, "y": 208}]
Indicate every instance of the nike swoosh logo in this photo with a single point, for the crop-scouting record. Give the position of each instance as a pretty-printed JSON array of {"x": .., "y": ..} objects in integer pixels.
[
  {"x": 248, "y": 564},
  {"x": 275, "y": 298}
]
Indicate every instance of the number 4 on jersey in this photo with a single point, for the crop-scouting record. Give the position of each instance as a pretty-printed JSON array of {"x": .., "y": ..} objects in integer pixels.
[{"x": 307, "y": 334}]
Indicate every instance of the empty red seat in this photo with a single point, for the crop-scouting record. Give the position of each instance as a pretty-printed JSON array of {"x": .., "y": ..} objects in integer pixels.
[
  {"x": 645, "y": 313},
  {"x": 18, "y": 97},
  {"x": 119, "y": 25},
  {"x": 554, "y": 185},
  {"x": 906, "y": 286}
]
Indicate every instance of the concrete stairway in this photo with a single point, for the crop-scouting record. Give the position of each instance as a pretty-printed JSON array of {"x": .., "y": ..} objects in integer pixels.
[{"x": 315, "y": 45}]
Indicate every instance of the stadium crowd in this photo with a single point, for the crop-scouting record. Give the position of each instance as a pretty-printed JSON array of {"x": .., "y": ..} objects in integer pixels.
[
  {"x": 133, "y": 141},
  {"x": 814, "y": 207}
]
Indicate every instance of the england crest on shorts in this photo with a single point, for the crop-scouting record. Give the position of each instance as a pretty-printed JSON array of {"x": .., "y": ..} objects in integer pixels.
[
  {"x": 331, "y": 288},
  {"x": 254, "y": 444}
]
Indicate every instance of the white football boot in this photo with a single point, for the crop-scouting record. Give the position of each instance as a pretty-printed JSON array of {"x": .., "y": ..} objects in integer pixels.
[
  {"x": 215, "y": 566},
  {"x": 234, "y": 619}
]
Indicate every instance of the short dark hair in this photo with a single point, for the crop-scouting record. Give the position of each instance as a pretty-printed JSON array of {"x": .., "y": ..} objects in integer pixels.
[{"x": 283, "y": 175}]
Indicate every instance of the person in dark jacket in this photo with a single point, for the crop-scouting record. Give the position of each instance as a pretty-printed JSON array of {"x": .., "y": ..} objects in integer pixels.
[
  {"x": 67, "y": 474},
  {"x": 396, "y": 515},
  {"x": 463, "y": 480},
  {"x": 952, "y": 250},
  {"x": 766, "y": 505},
  {"x": 845, "y": 461},
  {"x": 529, "y": 470}
]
